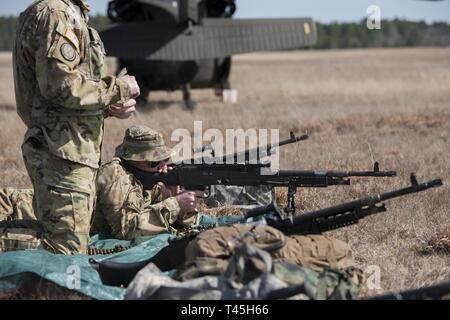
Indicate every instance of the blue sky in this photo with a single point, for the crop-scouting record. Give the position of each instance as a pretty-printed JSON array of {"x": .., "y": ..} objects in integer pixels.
[{"x": 320, "y": 10}]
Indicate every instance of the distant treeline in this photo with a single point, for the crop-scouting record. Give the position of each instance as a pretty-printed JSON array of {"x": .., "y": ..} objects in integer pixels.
[{"x": 393, "y": 33}]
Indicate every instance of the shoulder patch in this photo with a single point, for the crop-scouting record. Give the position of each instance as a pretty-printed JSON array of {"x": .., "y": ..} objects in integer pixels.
[
  {"x": 68, "y": 52},
  {"x": 64, "y": 30}
]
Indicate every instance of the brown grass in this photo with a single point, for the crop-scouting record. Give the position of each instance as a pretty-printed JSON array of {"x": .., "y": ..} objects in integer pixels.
[
  {"x": 439, "y": 243},
  {"x": 389, "y": 105}
]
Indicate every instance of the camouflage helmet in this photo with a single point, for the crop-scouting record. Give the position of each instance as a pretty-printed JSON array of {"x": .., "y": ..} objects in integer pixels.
[{"x": 143, "y": 144}]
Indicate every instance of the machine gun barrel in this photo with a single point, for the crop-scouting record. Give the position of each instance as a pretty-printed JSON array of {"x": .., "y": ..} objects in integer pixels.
[
  {"x": 263, "y": 151},
  {"x": 260, "y": 152},
  {"x": 436, "y": 292},
  {"x": 347, "y": 213}
]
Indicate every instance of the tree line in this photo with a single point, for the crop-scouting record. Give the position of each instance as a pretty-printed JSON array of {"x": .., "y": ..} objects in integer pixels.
[{"x": 393, "y": 33}]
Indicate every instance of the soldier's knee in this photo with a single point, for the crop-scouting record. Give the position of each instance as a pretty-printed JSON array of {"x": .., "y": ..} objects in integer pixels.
[{"x": 66, "y": 216}]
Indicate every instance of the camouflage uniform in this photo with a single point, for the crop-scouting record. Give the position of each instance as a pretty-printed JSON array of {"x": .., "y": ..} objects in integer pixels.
[
  {"x": 124, "y": 209},
  {"x": 62, "y": 92}
]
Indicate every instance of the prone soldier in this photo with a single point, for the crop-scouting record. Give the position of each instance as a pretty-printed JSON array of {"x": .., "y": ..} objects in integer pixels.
[{"x": 125, "y": 210}]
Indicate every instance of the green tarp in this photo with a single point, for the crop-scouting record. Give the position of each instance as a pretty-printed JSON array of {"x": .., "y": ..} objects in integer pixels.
[{"x": 74, "y": 272}]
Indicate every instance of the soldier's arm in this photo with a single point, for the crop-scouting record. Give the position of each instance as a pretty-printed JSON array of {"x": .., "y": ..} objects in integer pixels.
[
  {"x": 118, "y": 204},
  {"x": 57, "y": 69},
  {"x": 166, "y": 211}
]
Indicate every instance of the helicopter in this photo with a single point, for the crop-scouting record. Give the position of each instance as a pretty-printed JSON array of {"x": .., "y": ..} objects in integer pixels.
[{"x": 188, "y": 44}]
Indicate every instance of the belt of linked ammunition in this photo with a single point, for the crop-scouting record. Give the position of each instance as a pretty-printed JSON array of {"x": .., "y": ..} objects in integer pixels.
[{"x": 92, "y": 251}]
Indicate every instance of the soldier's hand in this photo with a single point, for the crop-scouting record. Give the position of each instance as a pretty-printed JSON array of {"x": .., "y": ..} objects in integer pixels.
[
  {"x": 188, "y": 200},
  {"x": 132, "y": 83},
  {"x": 162, "y": 167},
  {"x": 168, "y": 191},
  {"x": 123, "y": 111},
  {"x": 174, "y": 190}
]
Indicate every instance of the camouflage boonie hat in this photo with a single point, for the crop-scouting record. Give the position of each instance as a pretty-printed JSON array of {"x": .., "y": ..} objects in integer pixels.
[{"x": 143, "y": 144}]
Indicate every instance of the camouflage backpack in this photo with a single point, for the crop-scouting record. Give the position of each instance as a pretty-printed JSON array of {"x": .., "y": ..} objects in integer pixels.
[
  {"x": 249, "y": 273},
  {"x": 316, "y": 252}
]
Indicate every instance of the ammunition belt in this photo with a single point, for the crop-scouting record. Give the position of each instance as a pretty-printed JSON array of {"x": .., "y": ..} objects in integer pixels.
[
  {"x": 189, "y": 232},
  {"x": 92, "y": 251}
]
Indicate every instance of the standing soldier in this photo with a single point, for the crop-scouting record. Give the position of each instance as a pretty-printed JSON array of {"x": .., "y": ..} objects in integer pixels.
[{"x": 63, "y": 96}]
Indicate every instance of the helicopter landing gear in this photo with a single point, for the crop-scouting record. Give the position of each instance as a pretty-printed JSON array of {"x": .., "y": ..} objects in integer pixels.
[
  {"x": 226, "y": 92},
  {"x": 187, "y": 97},
  {"x": 230, "y": 96}
]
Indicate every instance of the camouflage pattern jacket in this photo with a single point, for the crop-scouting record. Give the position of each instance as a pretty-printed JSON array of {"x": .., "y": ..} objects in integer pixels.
[
  {"x": 61, "y": 86},
  {"x": 126, "y": 211}
]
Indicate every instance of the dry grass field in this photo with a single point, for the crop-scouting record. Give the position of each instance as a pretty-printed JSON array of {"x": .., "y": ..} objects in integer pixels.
[{"x": 388, "y": 105}]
